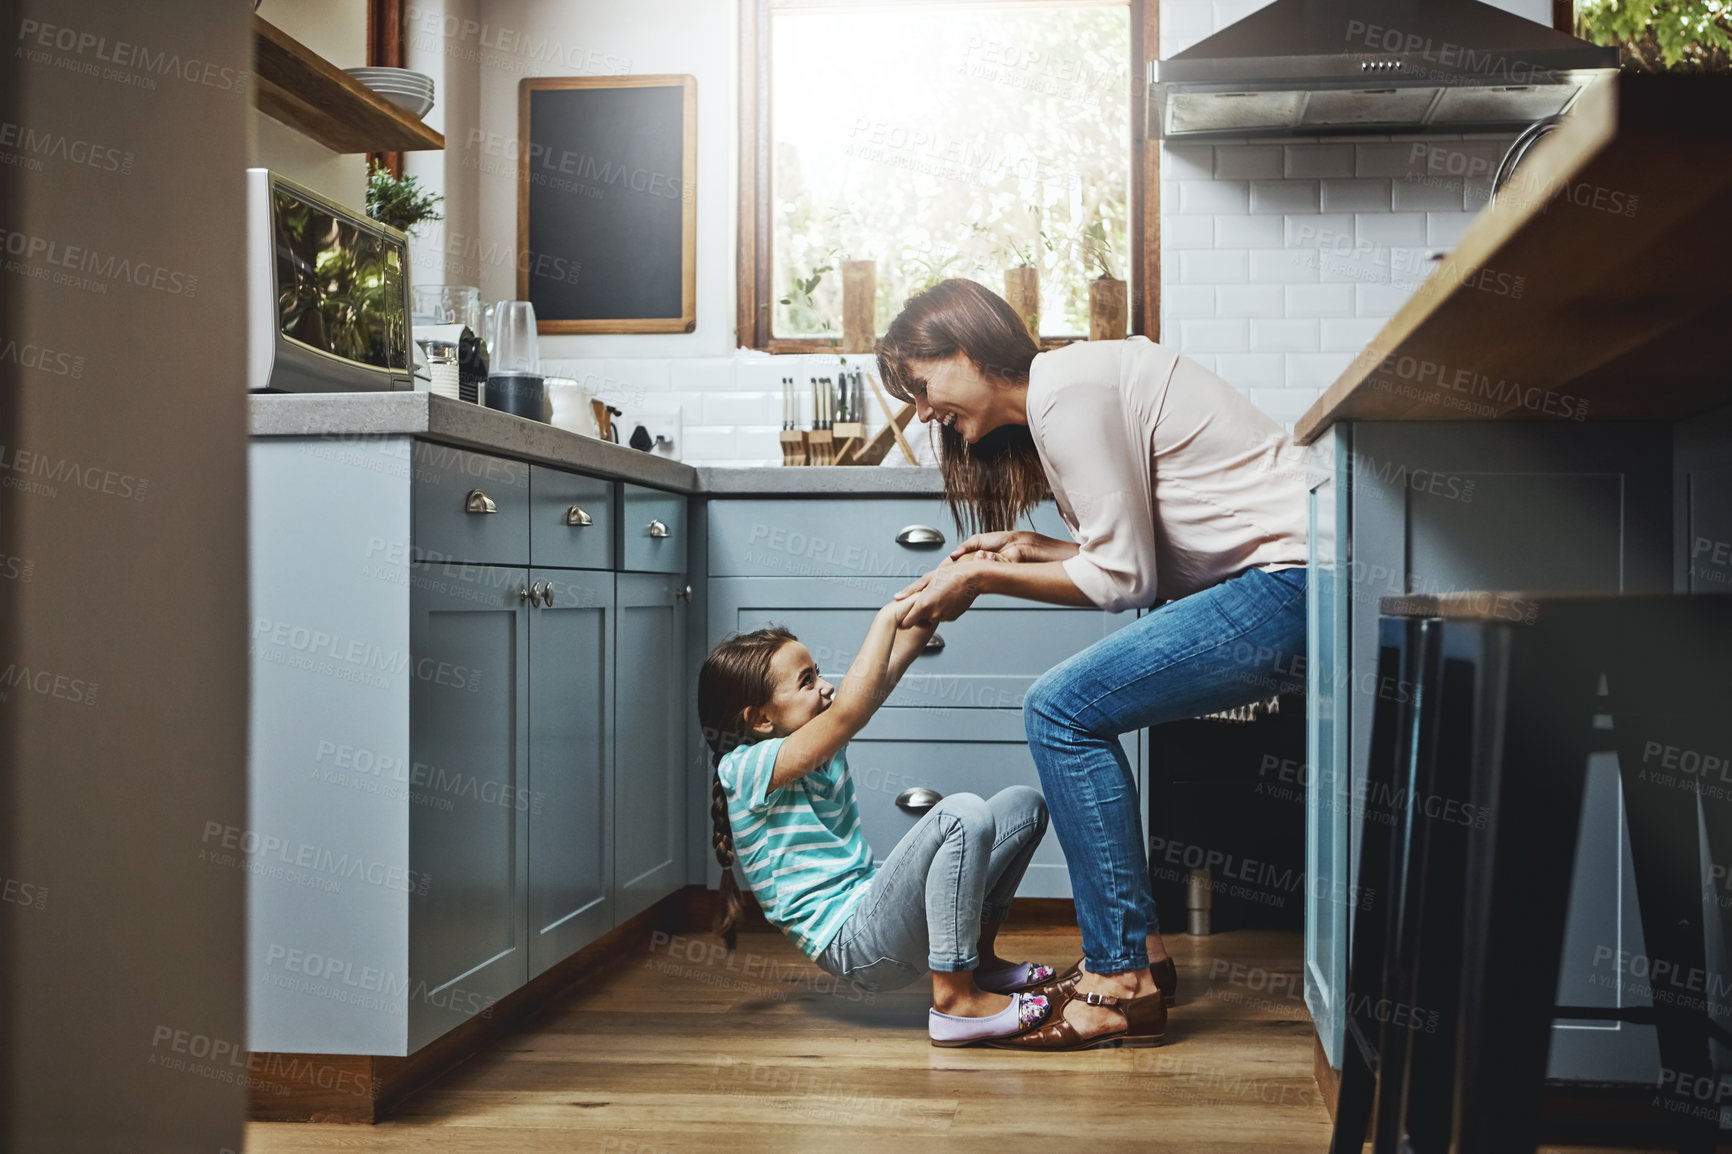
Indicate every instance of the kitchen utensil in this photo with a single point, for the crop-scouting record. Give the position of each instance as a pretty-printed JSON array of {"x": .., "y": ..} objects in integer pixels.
[
  {"x": 520, "y": 394},
  {"x": 514, "y": 382},
  {"x": 448, "y": 304},
  {"x": 572, "y": 406}
]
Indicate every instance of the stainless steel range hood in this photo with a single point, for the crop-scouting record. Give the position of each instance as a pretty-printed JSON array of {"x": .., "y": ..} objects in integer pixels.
[{"x": 1330, "y": 67}]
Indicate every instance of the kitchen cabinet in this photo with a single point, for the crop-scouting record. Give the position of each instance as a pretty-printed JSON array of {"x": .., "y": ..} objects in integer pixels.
[
  {"x": 1439, "y": 507},
  {"x": 954, "y": 723},
  {"x": 651, "y": 700},
  {"x": 569, "y": 801}
]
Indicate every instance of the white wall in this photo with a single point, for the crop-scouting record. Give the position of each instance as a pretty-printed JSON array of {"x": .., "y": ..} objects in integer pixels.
[{"x": 336, "y": 30}]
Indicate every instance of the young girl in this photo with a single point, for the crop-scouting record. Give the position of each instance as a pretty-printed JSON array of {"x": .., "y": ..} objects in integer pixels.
[{"x": 784, "y": 804}]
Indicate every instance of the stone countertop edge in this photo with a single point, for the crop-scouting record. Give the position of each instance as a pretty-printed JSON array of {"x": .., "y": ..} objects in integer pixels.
[{"x": 469, "y": 426}]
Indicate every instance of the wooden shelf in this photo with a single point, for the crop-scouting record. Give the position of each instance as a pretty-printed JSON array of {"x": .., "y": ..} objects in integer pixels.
[
  {"x": 310, "y": 94},
  {"x": 1596, "y": 288}
]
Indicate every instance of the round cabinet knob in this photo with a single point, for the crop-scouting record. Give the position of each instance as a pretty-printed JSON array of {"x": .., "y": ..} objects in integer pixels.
[
  {"x": 658, "y": 530},
  {"x": 547, "y": 595},
  {"x": 918, "y": 800},
  {"x": 577, "y": 518},
  {"x": 920, "y": 537},
  {"x": 685, "y": 595},
  {"x": 479, "y": 502},
  {"x": 523, "y": 594},
  {"x": 534, "y": 595}
]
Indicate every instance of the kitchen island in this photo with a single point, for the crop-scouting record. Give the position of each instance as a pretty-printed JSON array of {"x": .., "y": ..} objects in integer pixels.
[{"x": 1572, "y": 437}]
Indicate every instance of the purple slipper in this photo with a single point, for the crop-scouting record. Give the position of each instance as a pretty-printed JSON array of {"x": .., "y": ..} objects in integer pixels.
[
  {"x": 1024, "y": 1011},
  {"x": 1022, "y": 976}
]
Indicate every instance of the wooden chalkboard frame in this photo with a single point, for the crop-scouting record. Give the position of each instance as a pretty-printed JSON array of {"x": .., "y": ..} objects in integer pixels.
[{"x": 687, "y": 320}]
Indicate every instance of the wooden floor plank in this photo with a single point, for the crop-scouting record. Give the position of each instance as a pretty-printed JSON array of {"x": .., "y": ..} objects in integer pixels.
[{"x": 691, "y": 1048}]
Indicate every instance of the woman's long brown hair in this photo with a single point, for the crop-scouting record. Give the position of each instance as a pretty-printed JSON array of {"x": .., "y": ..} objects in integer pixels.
[
  {"x": 993, "y": 482},
  {"x": 735, "y": 678}
]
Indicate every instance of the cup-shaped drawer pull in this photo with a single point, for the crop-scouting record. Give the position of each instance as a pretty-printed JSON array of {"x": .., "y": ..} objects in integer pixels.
[
  {"x": 479, "y": 502},
  {"x": 658, "y": 530},
  {"x": 920, "y": 537},
  {"x": 934, "y": 644},
  {"x": 577, "y": 518},
  {"x": 918, "y": 800}
]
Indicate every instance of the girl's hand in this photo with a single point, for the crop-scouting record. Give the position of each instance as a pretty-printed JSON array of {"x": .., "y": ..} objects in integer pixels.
[
  {"x": 1016, "y": 545},
  {"x": 941, "y": 595}
]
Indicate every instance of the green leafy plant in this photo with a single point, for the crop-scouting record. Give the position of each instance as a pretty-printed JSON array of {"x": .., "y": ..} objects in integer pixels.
[
  {"x": 1097, "y": 248},
  {"x": 400, "y": 201},
  {"x": 922, "y": 270},
  {"x": 1662, "y": 35},
  {"x": 799, "y": 299}
]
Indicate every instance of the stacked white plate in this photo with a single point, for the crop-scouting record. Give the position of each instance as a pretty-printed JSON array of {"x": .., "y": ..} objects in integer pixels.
[{"x": 410, "y": 91}]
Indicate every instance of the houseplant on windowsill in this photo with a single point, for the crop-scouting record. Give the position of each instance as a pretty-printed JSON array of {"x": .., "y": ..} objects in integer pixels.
[
  {"x": 1022, "y": 285},
  {"x": 1106, "y": 292}
]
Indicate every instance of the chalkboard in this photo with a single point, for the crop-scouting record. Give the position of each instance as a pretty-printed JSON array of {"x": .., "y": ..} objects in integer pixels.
[{"x": 606, "y": 204}]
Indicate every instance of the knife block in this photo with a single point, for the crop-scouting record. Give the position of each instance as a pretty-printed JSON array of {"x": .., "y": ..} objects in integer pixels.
[
  {"x": 793, "y": 447},
  {"x": 820, "y": 447}
]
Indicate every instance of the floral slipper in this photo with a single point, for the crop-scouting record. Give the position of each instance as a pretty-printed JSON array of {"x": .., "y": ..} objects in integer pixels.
[
  {"x": 1014, "y": 979},
  {"x": 1024, "y": 1012}
]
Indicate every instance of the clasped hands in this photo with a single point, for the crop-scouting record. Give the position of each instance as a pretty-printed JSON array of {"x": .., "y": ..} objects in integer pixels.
[{"x": 948, "y": 591}]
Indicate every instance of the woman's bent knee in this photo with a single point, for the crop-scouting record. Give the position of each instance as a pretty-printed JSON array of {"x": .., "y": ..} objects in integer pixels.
[
  {"x": 968, "y": 813},
  {"x": 1021, "y": 799}
]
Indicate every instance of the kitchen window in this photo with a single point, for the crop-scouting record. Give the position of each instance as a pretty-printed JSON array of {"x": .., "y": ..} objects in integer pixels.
[{"x": 936, "y": 140}]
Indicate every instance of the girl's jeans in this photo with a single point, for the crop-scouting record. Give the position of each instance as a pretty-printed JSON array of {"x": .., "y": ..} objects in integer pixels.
[
  {"x": 959, "y": 866},
  {"x": 1240, "y": 641}
]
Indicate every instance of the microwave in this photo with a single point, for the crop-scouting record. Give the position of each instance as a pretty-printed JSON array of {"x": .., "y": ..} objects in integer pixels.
[{"x": 327, "y": 294}]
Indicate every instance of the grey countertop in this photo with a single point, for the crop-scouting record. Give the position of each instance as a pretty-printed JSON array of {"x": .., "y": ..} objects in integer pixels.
[{"x": 468, "y": 426}]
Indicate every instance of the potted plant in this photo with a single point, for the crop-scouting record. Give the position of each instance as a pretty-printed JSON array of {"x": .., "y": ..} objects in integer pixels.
[
  {"x": 1022, "y": 284},
  {"x": 1107, "y": 291},
  {"x": 400, "y": 201}
]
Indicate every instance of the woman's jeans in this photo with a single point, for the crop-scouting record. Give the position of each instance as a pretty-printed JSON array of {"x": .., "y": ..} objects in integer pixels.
[
  {"x": 1240, "y": 641},
  {"x": 959, "y": 866}
]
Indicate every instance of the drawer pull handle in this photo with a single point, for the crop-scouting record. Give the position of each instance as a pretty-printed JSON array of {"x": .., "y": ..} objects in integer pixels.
[
  {"x": 479, "y": 502},
  {"x": 547, "y": 595},
  {"x": 934, "y": 644},
  {"x": 577, "y": 518},
  {"x": 920, "y": 537},
  {"x": 658, "y": 530},
  {"x": 918, "y": 800}
]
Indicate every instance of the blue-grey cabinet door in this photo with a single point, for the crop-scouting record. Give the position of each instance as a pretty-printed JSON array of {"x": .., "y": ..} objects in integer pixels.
[
  {"x": 1327, "y": 904},
  {"x": 570, "y": 763},
  {"x": 650, "y": 700},
  {"x": 468, "y": 716}
]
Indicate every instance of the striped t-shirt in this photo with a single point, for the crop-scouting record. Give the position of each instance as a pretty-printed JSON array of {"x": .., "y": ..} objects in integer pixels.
[{"x": 800, "y": 846}]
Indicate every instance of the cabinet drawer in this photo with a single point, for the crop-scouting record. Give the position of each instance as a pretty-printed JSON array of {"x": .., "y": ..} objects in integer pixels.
[
  {"x": 452, "y": 490},
  {"x": 652, "y": 530},
  {"x": 847, "y": 537},
  {"x": 570, "y": 520},
  {"x": 986, "y": 659},
  {"x": 980, "y": 753}
]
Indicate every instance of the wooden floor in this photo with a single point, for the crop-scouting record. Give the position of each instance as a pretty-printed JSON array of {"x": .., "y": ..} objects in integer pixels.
[{"x": 688, "y": 1049}]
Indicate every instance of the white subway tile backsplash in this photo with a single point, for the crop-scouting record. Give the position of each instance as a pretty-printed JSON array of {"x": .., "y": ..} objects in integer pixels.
[
  {"x": 1283, "y": 196},
  {"x": 1284, "y": 336},
  {"x": 1355, "y": 195},
  {"x": 1212, "y": 196},
  {"x": 1389, "y": 228},
  {"x": 694, "y": 374},
  {"x": 640, "y": 374},
  {"x": 1283, "y": 266},
  {"x": 1344, "y": 335},
  {"x": 1250, "y": 370},
  {"x": 1187, "y": 162},
  {"x": 1319, "y": 300},
  {"x": 1410, "y": 265},
  {"x": 1183, "y": 300},
  {"x": 1443, "y": 229},
  {"x": 715, "y": 443},
  {"x": 1318, "y": 230},
  {"x": 1380, "y": 300},
  {"x": 1248, "y": 162},
  {"x": 1311, "y": 161},
  {"x": 1188, "y": 232},
  {"x": 1263, "y": 300},
  {"x": 734, "y": 408},
  {"x": 1315, "y": 370},
  {"x": 1359, "y": 264},
  {"x": 1216, "y": 336},
  {"x": 1396, "y": 160},
  {"x": 1422, "y": 194},
  {"x": 1213, "y": 267},
  {"x": 1247, "y": 232}
]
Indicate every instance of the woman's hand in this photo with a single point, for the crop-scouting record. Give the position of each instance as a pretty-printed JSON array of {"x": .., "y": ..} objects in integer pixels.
[
  {"x": 1016, "y": 545},
  {"x": 943, "y": 594}
]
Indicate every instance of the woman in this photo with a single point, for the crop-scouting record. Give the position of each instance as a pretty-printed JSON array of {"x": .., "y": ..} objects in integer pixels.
[{"x": 1178, "y": 491}]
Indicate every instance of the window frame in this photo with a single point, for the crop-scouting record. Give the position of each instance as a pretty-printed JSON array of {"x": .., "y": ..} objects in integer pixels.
[{"x": 754, "y": 277}]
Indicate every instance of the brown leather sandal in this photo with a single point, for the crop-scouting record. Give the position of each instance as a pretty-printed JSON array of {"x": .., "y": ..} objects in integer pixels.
[
  {"x": 1145, "y": 1025},
  {"x": 1164, "y": 973}
]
